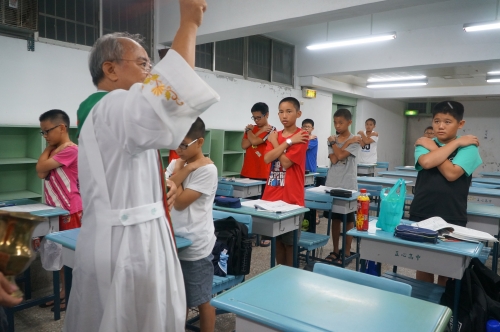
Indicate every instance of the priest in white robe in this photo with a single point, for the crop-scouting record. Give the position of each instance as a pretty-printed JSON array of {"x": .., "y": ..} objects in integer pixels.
[{"x": 127, "y": 276}]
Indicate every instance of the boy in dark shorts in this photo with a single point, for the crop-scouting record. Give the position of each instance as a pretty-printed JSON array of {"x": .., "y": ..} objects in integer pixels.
[{"x": 445, "y": 165}]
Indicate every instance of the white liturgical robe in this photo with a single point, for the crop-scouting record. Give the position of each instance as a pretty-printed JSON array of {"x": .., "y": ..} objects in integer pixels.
[{"x": 127, "y": 276}]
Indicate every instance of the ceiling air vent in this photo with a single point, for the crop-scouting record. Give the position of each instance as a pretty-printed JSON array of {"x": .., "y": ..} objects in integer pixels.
[
  {"x": 18, "y": 18},
  {"x": 420, "y": 107}
]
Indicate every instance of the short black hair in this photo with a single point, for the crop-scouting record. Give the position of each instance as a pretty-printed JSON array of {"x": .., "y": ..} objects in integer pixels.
[
  {"x": 343, "y": 112},
  {"x": 56, "y": 117},
  {"x": 454, "y": 108},
  {"x": 292, "y": 100},
  {"x": 197, "y": 130},
  {"x": 260, "y": 107},
  {"x": 430, "y": 127},
  {"x": 309, "y": 121},
  {"x": 372, "y": 120}
]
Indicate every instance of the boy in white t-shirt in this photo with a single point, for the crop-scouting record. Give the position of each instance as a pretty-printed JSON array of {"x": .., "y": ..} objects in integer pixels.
[
  {"x": 196, "y": 179},
  {"x": 369, "y": 139}
]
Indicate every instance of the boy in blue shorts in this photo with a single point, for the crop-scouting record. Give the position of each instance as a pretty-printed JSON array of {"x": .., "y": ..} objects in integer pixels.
[
  {"x": 445, "y": 165},
  {"x": 196, "y": 179}
]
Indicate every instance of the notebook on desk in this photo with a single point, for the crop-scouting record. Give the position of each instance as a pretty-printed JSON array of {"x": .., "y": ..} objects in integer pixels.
[{"x": 277, "y": 206}]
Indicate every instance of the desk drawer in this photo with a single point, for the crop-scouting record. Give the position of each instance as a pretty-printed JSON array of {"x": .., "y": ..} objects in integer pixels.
[
  {"x": 344, "y": 207},
  {"x": 244, "y": 192},
  {"x": 273, "y": 228}
]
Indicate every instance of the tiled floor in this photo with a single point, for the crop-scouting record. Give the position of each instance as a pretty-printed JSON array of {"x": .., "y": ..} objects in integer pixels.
[{"x": 41, "y": 320}]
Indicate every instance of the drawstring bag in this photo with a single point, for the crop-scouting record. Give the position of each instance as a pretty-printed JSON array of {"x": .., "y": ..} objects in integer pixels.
[
  {"x": 51, "y": 255},
  {"x": 391, "y": 206}
]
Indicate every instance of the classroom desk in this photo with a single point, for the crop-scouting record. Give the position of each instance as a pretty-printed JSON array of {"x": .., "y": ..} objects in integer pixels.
[
  {"x": 384, "y": 182},
  {"x": 491, "y": 174},
  {"x": 366, "y": 169},
  {"x": 68, "y": 240},
  {"x": 485, "y": 218},
  {"x": 405, "y": 175},
  {"x": 244, "y": 189},
  {"x": 322, "y": 172},
  {"x": 491, "y": 180},
  {"x": 384, "y": 247},
  {"x": 405, "y": 168},
  {"x": 286, "y": 299},
  {"x": 484, "y": 196},
  {"x": 309, "y": 179},
  {"x": 272, "y": 224}
]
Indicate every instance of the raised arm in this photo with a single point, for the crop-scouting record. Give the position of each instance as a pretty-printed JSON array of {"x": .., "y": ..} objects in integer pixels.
[{"x": 184, "y": 41}]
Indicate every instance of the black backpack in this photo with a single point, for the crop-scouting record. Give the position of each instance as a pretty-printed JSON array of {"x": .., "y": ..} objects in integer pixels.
[
  {"x": 477, "y": 306},
  {"x": 235, "y": 235}
]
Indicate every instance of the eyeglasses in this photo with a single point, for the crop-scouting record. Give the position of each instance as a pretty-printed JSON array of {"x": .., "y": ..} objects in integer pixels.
[
  {"x": 256, "y": 118},
  {"x": 185, "y": 146},
  {"x": 306, "y": 127},
  {"x": 146, "y": 65},
  {"x": 46, "y": 132}
]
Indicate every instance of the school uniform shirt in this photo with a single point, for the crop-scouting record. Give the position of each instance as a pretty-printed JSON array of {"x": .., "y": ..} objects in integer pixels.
[
  {"x": 253, "y": 165},
  {"x": 343, "y": 174},
  {"x": 195, "y": 222},
  {"x": 61, "y": 187},
  {"x": 287, "y": 184},
  {"x": 312, "y": 155},
  {"x": 368, "y": 153},
  {"x": 436, "y": 196}
]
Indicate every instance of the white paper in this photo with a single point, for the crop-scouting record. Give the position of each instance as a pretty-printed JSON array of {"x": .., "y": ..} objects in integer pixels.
[
  {"x": 324, "y": 189},
  {"x": 277, "y": 206},
  {"x": 458, "y": 232},
  {"x": 27, "y": 208}
]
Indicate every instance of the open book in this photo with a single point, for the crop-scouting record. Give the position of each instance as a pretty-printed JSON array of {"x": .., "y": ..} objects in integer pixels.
[
  {"x": 454, "y": 231},
  {"x": 277, "y": 206},
  {"x": 323, "y": 189}
]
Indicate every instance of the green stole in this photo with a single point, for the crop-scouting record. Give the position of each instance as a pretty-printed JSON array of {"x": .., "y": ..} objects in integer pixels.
[{"x": 86, "y": 106}]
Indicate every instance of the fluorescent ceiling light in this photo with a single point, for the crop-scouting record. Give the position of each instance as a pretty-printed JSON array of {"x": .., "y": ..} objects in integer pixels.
[
  {"x": 493, "y": 73},
  {"x": 397, "y": 84},
  {"x": 365, "y": 40},
  {"x": 481, "y": 26},
  {"x": 493, "y": 78},
  {"x": 395, "y": 79}
]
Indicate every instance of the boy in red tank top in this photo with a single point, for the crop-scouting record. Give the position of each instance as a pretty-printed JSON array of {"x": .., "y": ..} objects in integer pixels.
[{"x": 286, "y": 152}]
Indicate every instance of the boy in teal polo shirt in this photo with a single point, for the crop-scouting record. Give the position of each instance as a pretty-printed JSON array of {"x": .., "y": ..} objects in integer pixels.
[{"x": 445, "y": 165}]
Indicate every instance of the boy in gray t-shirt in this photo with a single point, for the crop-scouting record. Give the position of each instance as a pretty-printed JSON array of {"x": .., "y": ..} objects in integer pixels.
[{"x": 342, "y": 151}]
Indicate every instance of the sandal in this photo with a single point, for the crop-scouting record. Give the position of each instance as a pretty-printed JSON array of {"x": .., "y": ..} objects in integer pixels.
[
  {"x": 49, "y": 304},
  {"x": 61, "y": 308},
  {"x": 332, "y": 257},
  {"x": 265, "y": 243}
]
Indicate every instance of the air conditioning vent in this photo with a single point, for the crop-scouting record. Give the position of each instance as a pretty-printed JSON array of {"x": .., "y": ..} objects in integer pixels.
[
  {"x": 420, "y": 107},
  {"x": 18, "y": 17}
]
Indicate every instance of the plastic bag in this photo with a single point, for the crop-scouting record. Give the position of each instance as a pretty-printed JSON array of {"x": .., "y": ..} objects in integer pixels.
[
  {"x": 391, "y": 206},
  {"x": 51, "y": 255}
]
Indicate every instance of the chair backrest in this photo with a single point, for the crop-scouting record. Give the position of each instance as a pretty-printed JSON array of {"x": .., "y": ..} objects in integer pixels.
[
  {"x": 224, "y": 190},
  {"x": 373, "y": 189},
  {"x": 362, "y": 279},
  {"x": 484, "y": 185},
  {"x": 242, "y": 218},
  {"x": 383, "y": 164},
  {"x": 318, "y": 201}
]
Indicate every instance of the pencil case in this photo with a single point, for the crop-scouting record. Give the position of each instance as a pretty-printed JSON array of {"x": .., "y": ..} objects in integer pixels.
[
  {"x": 340, "y": 193},
  {"x": 230, "y": 202},
  {"x": 416, "y": 234}
]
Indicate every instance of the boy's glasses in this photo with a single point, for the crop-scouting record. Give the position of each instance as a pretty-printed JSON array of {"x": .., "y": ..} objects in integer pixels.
[
  {"x": 306, "y": 127},
  {"x": 256, "y": 118},
  {"x": 46, "y": 132},
  {"x": 185, "y": 146}
]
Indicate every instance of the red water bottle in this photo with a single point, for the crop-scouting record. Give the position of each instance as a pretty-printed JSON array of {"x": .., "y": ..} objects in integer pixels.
[{"x": 363, "y": 211}]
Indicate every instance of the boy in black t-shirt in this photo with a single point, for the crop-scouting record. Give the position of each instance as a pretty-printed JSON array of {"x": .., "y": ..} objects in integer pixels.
[{"x": 445, "y": 165}]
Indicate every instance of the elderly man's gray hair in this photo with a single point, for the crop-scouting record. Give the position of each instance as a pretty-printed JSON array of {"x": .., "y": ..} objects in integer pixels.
[{"x": 108, "y": 48}]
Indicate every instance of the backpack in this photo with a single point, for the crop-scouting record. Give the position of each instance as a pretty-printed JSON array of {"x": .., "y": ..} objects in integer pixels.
[
  {"x": 476, "y": 303},
  {"x": 235, "y": 236}
]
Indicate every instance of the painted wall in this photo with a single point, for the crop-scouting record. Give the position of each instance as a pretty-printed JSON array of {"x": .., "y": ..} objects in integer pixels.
[
  {"x": 390, "y": 126},
  {"x": 34, "y": 82}
]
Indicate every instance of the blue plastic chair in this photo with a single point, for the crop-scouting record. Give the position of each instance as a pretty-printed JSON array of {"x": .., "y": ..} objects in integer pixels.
[
  {"x": 362, "y": 279},
  {"x": 224, "y": 190},
  {"x": 322, "y": 202},
  {"x": 383, "y": 165},
  {"x": 484, "y": 185}
]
